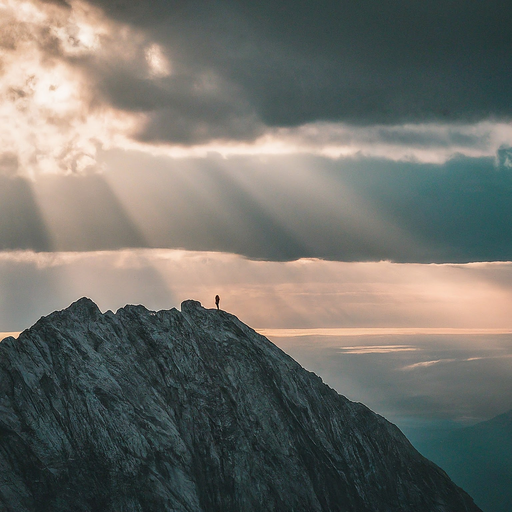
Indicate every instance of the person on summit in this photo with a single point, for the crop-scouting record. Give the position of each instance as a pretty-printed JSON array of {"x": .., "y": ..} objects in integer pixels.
[{"x": 217, "y": 301}]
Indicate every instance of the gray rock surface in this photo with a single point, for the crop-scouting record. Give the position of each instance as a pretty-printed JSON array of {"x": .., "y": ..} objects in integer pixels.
[{"x": 191, "y": 411}]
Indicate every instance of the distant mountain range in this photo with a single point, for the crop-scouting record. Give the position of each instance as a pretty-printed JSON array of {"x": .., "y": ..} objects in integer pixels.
[
  {"x": 478, "y": 458},
  {"x": 191, "y": 411}
]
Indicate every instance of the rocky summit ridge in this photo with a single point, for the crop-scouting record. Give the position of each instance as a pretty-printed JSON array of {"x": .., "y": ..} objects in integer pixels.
[{"x": 191, "y": 411}]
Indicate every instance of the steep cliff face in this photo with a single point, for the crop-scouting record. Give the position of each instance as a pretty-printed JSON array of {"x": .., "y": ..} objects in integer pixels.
[{"x": 191, "y": 411}]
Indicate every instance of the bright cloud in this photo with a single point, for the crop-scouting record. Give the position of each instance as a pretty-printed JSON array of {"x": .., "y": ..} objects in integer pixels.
[
  {"x": 158, "y": 64},
  {"x": 50, "y": 120},
  {"x": 377, "y": 349}
]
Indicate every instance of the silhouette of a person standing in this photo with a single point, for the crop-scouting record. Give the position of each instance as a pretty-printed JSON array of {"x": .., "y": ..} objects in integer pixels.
[{"x": 217, "y": 301}]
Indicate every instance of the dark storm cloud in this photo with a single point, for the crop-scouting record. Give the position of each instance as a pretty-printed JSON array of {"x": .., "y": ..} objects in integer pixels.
[
  {"x": 290, "y": 63},
  {"x": 279, "y": 208},
  {"x": 182, "y": 109}
]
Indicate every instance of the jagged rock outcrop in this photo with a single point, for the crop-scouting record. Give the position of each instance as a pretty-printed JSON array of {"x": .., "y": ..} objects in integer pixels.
[{"x": 191, "y": 411}]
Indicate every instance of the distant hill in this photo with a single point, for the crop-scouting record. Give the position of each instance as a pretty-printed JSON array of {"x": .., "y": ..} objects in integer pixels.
[
  {"x": 479, "y": 459},
  {"x": 191, "y": 411}
]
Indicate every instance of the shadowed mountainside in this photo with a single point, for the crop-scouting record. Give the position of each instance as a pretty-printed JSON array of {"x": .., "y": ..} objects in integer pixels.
[{"x": 478, "y": 458}]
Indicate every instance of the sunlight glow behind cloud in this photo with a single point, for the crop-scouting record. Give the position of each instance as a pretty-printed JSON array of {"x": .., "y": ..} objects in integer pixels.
[
  {"x": 158, "y": 64},
  {"x": 50, "y": 120}
]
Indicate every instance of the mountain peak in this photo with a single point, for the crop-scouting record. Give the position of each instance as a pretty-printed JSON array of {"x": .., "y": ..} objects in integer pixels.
[
  {"x": 191, "y": 411},
  {"x": 189, "y": 305},
  {"x": 84, "y": 307}
]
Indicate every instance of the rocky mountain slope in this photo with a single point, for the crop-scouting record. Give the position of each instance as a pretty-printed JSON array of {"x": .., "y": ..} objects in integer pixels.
[{"x": 191, "y": 411}]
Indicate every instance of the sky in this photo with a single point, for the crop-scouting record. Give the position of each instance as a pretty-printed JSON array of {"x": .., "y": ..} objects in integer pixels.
[{"x": 319, "y": 165}]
